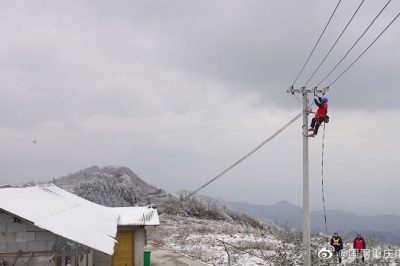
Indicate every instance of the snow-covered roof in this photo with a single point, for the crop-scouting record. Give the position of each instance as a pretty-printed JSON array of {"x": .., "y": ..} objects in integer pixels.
[
  {"x": 137, "y": 216},
  {"x": 54, "y": 209}
]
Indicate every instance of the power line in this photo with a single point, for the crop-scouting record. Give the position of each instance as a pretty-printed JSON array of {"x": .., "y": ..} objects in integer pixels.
[
  {"x": 364, "y": 51},
  {"x": 359, "y": 38},
  {"x": 334, "y": 44},
  {"x": 297, "y": 98},
  {"x": 247, "y": 155},
  {"x": 315, "y": 46}
]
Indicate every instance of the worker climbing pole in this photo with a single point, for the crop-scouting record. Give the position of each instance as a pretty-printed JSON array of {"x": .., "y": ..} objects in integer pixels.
[
  {"x": 321, "y": 115},
  {"x": 306, "y": 199}
]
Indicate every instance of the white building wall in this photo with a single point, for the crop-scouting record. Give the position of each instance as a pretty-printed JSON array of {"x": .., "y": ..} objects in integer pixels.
[{"x": 139, "y": 242}]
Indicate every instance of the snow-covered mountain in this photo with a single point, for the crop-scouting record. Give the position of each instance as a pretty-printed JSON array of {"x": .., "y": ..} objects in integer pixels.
[
  {"x": 118, "y": 186},
  {"x": 110, "y": 186}
]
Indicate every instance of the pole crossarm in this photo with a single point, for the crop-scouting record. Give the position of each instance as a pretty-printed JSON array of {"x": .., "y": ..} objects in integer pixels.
[{"x": 302, "y": 90}]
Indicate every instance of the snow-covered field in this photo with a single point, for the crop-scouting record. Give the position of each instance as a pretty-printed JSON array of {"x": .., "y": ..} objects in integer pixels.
[{"x": 211, "y": 241}]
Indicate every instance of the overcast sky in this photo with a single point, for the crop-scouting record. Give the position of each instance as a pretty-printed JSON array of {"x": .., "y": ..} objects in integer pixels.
[{"x": 178, "y": 90}]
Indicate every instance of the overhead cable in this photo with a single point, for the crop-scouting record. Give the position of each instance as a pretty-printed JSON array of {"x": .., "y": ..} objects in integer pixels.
[
  {"x": 334, "y": 44},
  {"x": 364, "y": 51},
  {"x": 351, "y": 48},
  {"x": 247, "y": 155},
  {"x": 315, "y": 46}
]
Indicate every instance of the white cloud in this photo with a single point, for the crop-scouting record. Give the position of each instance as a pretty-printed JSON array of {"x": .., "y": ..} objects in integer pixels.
[{"x": 179, "y": 90}]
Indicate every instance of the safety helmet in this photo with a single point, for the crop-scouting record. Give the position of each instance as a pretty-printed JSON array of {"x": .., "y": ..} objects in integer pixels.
[{"x": 325, "y": 99}]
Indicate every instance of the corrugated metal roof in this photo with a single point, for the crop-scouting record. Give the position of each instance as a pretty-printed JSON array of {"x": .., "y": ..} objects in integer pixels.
[
  {"x": 65, "y": 214},
  {"x": 137, "y": 216}
]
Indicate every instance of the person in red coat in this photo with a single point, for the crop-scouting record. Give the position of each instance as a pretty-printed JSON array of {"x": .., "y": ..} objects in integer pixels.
[
  {"x": 359, "y": 245},
  {"x": 320, "y": 115}
]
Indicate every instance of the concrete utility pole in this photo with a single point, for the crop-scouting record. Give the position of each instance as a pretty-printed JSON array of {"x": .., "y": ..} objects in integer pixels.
[{"x": 306, "y": 198}]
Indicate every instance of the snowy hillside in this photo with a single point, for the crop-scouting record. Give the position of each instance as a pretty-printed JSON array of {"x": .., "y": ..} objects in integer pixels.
[
  {"x": 210, "y": 240},
  {"x": 217, "y": 242},
  {"x": 202, "y": 227},
  {"x": 119, "y": 186},
  {"x": 110, "y": 186}
]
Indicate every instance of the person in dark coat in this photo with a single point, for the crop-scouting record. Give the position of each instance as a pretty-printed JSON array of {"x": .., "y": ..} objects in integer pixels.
[
  {"x": 359, "y": 245},
  {"x": 320, "y": 115},
  {"x": 337, "y": 244}
]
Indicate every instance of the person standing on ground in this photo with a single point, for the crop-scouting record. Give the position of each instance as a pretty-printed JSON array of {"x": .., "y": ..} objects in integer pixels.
[
  {"x": 359, "y": 245},
  {"x": 337, "y": 244}
]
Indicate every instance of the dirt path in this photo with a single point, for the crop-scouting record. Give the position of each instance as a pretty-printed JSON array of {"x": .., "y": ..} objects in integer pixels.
[{"x": 162, "y": 256}]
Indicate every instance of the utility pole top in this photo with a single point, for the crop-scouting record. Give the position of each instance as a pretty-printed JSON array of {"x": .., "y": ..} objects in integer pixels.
[{"x": 302, "y": 90}]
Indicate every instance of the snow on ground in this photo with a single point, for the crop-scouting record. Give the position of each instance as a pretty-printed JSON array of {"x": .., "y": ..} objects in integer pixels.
[{"x": 204, "y": 240}]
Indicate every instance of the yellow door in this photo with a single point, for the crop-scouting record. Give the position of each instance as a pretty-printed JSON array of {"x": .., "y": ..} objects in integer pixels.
[{"x": 123, "y": 254}]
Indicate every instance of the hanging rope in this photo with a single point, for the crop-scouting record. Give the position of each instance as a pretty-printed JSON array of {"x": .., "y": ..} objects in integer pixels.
[
  {"x": 322, "y": 180},
  {"x": 309, "y": 104},
  {"x": 247, "y": 155}
]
